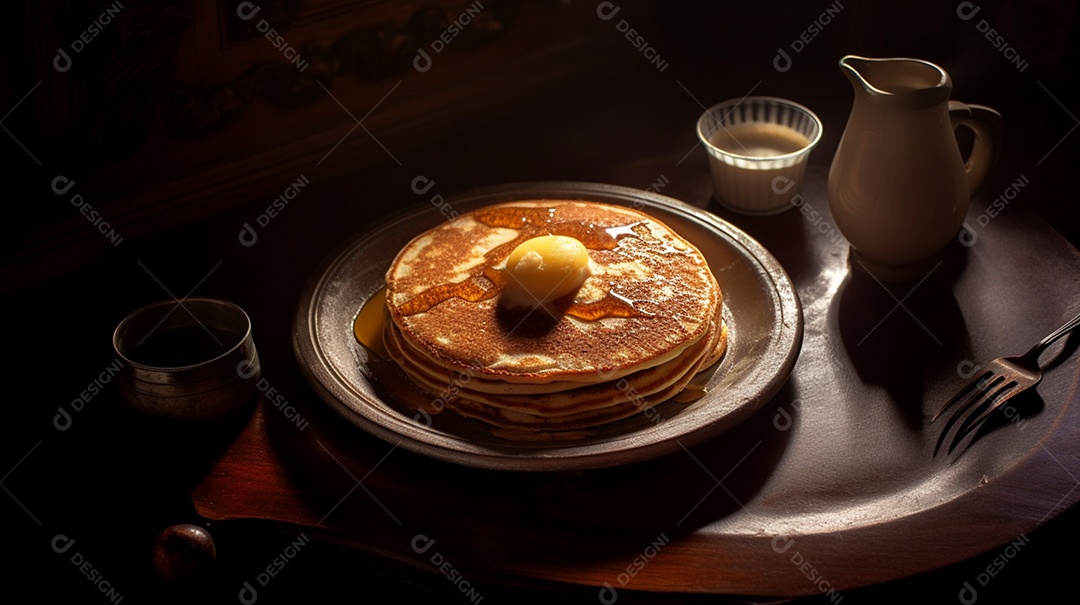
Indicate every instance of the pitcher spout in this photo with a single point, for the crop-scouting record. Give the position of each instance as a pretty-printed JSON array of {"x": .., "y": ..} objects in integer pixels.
[
  {"x": 902, "y": 81},
  {"x": 852, "y": 66}
]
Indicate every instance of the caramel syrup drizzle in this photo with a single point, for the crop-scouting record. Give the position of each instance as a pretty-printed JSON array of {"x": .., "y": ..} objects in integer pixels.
[{"x": 485, "y": 281}]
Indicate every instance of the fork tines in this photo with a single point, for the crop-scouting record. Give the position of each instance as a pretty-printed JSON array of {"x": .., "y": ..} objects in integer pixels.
[{"x": 984, "y": 394}]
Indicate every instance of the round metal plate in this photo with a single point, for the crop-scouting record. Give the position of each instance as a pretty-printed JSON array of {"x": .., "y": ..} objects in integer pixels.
[{"x": 761, "y": 309}]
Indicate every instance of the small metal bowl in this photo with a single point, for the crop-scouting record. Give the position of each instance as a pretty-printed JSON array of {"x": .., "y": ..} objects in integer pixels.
[{"x": 192, "y": 359}]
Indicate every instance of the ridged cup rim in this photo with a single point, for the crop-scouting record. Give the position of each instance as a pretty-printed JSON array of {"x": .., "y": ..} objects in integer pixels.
[{"x": 710, "y": 115}]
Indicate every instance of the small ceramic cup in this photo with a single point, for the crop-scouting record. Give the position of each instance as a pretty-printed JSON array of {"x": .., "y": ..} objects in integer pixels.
[
  {"x": 192, "y": 359},
  {"x": 758, "y": 148}
]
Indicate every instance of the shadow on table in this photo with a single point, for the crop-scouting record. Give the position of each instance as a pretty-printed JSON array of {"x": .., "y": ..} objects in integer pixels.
[
  {"x": 894, "y": 332},
  {"x": 1024, "y": 406},
  {"x": 485, "y": 515}
]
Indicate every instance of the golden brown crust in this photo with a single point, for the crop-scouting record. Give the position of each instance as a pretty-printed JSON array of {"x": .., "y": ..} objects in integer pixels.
[{"x": 543, "y": 370}]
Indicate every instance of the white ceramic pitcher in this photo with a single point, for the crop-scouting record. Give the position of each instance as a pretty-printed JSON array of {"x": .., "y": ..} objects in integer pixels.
[{"x": 898, "y": 186}]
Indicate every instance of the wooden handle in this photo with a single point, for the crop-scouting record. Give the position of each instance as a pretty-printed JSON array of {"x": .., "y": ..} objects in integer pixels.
[{"x": 182, "y": 552}]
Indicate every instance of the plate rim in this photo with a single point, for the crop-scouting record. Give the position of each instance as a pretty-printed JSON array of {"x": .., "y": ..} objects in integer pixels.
[{"x": 328, "y": 383}]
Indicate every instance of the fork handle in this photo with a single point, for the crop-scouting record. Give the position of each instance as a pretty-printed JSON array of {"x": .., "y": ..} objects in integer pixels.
[{"x": 1037, "y": 350}]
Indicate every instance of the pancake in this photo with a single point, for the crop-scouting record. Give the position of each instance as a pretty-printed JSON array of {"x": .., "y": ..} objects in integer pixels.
[
  {"x": 644, "y": 321},
  {"x": 629, "y": 402},
  {"x": 570, "y": 401},
  {"x": 650, "y": 294}
]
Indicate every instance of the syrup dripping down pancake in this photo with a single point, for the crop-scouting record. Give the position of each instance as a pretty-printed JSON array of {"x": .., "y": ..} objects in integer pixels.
[
  {"x": 652, "y": 293},
  {"x": 646, "y": 319}
]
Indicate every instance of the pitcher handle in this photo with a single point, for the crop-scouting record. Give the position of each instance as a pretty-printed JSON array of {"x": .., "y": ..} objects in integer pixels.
[{"x": 989, "y": 130}]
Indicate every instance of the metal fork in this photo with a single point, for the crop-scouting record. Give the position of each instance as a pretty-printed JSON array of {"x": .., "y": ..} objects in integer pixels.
[{"x": 1001, "y": 380}]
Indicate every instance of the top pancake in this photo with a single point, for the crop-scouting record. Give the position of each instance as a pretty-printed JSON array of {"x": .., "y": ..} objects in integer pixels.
[{"x": 650, "y": 295}]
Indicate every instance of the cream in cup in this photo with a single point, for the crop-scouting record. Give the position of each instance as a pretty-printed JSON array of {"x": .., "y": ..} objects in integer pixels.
[{"x": 758, "y": 147}]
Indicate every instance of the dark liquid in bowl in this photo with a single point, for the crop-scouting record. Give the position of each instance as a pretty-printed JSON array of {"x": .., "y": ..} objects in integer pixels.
[{"x": 184, "y": 346}]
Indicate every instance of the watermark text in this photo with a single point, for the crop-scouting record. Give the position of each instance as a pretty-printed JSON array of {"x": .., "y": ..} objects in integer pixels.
[
  {"x": 247, "y": 12},
  {"x": 781, "y": 545},
  {"x": 61, "y": 544},
  {"x": 968, "y": 234},
  {"x": 248, "y": 235},
  {"x": 421, "y": 544},
  {"x": 423, "y": 61},
  {"x": 63, "y": 61},
  {"x": 783, "y": 61},
  {"x": 967, "y": 11},
  {"x": 61, "y": 185},
  {"x": 609, "y": 594},
  {"x": 62, "y": 420},
  {"x": 968, "y": 593},
  {"x": 248, "y": 593},
  {"x": 607, "y": 11}
]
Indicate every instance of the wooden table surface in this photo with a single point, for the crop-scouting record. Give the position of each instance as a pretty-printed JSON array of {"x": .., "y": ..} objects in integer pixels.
[
  {"x": 355, "y": 510},
  {"x": 840, "y": 464}
]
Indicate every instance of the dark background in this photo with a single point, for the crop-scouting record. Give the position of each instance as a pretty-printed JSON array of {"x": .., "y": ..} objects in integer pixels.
[{"x": 110, "y": 481}]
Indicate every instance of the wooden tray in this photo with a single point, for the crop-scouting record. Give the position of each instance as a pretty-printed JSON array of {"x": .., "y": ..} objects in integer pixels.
[{"x": 831, "y": 485}]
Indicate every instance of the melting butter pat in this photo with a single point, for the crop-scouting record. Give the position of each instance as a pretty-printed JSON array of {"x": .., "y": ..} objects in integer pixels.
[{"x": 543, "y": 269}]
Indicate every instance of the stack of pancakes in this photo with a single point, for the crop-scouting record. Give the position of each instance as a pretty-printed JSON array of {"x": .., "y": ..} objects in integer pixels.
[{"x": 645, "y": 321}]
